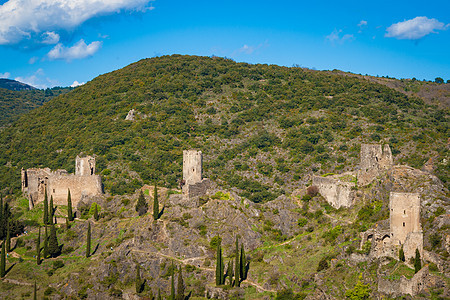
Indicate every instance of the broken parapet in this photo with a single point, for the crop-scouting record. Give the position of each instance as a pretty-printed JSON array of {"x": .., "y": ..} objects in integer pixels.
[
  {"x": 373, "y": 159},
  {"x": 336, "y": 192}
]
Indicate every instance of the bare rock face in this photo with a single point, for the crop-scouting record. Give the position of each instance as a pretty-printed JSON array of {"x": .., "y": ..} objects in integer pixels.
[{"x": 131, "y": 116}]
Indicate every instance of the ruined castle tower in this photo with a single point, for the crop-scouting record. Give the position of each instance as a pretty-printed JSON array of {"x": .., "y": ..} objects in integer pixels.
[
  {"x": 404, "y": 222},
  {"x": 192, "y": 166},
  {"x": 374, "y": 159},
  {"x": 195, "y": 185},
  {"x": 84, "y": 166}
]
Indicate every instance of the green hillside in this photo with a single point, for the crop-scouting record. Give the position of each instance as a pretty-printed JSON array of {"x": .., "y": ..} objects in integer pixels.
[
  {"x": 14, "y": 103},
  {"x": 262, "y": 128}
]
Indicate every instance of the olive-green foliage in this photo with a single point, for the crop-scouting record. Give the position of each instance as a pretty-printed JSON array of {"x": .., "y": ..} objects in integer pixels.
[
  {"x": 3, "y": 260},
  {"x": 141, "y": 205},
  {"x": 170, "y": 91},
  {"x": 323, "y": 264},
  {"x": 417, "y": 262},
  {"x": 216, "y": 240},
  {"x": 155, "y": 203},
  {"x": 88, "y": 240},
  {"x": 180, "y": 286},
  {"x": 401, "y": 254},
  {"x": 45, "y": 218},
  {"x": 69, "y": 206},
  {"x": 53, "y": 247},
  {"x": 38, "y": 248},
  {"x": 361, "y": 291},
  {"x": 288, "y": 294}
]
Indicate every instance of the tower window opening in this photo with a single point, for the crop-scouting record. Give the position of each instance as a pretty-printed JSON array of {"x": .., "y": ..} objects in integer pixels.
[{"x": 403, "y": 224}]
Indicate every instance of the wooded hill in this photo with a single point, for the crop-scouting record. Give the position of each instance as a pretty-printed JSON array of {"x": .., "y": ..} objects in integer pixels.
[{"x": 262, "y": 128}]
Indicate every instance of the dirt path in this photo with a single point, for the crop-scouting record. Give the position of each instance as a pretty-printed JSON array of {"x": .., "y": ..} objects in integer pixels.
[
  {"x": 17, "y": 282},
  {"x": 339, "y": 220},
  {"x": 258, "y": 286}
]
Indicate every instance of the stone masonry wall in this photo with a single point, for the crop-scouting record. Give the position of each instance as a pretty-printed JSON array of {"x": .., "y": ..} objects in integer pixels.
[
  {"x": 373, "y": 159},
  {"x": 192, "y": 166},
  {"x": 337, "y": 193}
]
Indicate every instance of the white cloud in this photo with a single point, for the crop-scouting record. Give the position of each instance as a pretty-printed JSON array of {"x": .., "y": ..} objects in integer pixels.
[
  {"x": 50, "y": 38},
  {"x": 77, "y": 51},
  {"x": 5, "y": 75},
  {"x": 362, "y": 23},
  {"x": 26, "y": 19},
  {"x": 33, "y": 60},
  {"x": 247, "y": 49},
  {"x": 335, "y": 37},
  {"x": 414, "y": 29},
  {"x": 38, "y": 80},
  {"x": 76, "y": 83}
]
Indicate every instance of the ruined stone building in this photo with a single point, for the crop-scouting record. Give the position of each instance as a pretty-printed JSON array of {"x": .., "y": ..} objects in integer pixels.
[
  {"x": 194, "y": 185},
  {"x": 374, "y": 159},
  {"x": 57, "y": 183},
  {"x": 336, "y": 191}
]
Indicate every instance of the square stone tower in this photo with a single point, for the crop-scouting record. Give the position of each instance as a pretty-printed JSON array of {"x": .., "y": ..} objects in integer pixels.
[
  {"x": 85, "y": 166},
  {"x": 192, "y": 166},
  {"x": 374, "y": 158}
]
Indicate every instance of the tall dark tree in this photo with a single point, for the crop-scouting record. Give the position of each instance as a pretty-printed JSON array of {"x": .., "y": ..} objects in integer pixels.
[
  {"x": 138, "y": 283},
  {"x": 38, "y": 248},
  {"x": 45, "y": 220},
  {"x": 53, "y": 247},
  {"x": 230, "y": 273},
  {"x": 159, "y": 294},
  {"x": 88, "y": 240},
  {"x": 3, "y": 260},
  {"x": 50, "y": 211},
  {"x": 155, "y": 203},
  {"x": 219, "y": 265},
  {"x": 69, "y": 206},
  {"x": 96, "y": 213},
  {"x": 236, "y": 265},
  {"x": 141, "y": 205},
  {"x": 45, "y": 251},
  {"x": 243, "y": 264},
  {"x": 8, "y": 236},
  {"x": 401, "y": 254},
  {"x": 417, "y": 262},
  {"x": 172, "y": 286},
  {"x": 180, "y": 286},
  {"x": 35, "y": 291},
  {"x": 1, "y": 216}
]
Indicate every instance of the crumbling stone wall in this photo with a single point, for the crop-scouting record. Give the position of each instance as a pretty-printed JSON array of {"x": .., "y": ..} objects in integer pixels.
[
  {"x": 373, "y": 159},
  {"x": 403, "y": 286},
  {"x": 81, "y": 184},
  {"x": 336, "y": 192}
]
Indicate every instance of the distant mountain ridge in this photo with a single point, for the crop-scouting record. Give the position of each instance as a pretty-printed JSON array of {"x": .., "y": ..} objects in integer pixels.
[{"x": 14, "y": 85}]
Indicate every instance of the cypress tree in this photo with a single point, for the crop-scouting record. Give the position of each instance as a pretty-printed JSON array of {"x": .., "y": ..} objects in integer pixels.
[
  {"x": 219, "y": 272},
  {"x": 88, "y": 240},
  {"x": 1, "y": 215},
  {"x": 35, "y": 291},
  {"x": 69, "y": 206},
  {"x": 38, "y": 248},
  {"x": 180, "y": 286},
  {"x": 401, "y": 254},
  {"x": 3, "y": 260},
  {"x": 236, "y": 265},
  {"x": 8, "y": 237},
  {"x": 155, "y": 203},
  {"x": 45, "y": 207},
  {"x": 67, "y": 223},
  {"x": 50, "y": 211},
  {"x": 45, "y": 254},
  {"x": 138, "y": 283},
  {"x": 417, "y": 262},
  {"x": 230, "y": 272},
  {"x": 96, "y": 213},
  {"x": 53, "y": 247},
  {"x": 159, "y": 294},
  {"x": 172, "y": 287},
  {"x": 243, "y": 264}
]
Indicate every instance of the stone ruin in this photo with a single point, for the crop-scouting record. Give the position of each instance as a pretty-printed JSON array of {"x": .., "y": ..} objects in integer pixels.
[
  {"x": 373, "y": 160},
  {"x": 404, "y": 229},
  {"x": 194, "y": 185},
  {"x": 337, "y": 191},
  {"x": 83, "y": 183}
]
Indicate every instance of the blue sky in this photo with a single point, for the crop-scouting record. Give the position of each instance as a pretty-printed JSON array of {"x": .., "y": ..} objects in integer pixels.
[{"x": 62, "y": 42}]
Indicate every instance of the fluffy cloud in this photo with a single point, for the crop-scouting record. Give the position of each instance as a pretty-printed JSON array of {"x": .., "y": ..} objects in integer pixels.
[
  {"x": 335, "y": 37},
  {"x": 76, "y": 83},
  {"x": 27, "y": 19},
  {"x": 38, "y": 80},
  {"x": 50, "y": 38},
  {"x": 362, "y": 23},
  {"x": 5, "y": 75},
  {"x": 77, "y": 51},
  {"x": 414, "y": 29}
]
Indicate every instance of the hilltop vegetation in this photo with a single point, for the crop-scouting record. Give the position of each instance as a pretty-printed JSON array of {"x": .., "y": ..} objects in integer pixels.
[
  {"x": 14, "y": 103},
  {"x": 263, "y": 128}
]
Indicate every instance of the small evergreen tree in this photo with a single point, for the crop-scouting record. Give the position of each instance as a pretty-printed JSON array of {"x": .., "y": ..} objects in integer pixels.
[
  {"x": 8, "y": 237},
  {"x": 155, "y": 203},
  {"x": 172, "y": 286},
  {"x": 96, "y": 213},
  {"x": 417, "y": 262},
  {"x": 361, "y": 291},
  {"x": 35, "y": 291},
  {"x": 69, "y": 206},
  {"x": 3, "y": 261},
  {"x": 180, "y": 286},
  {"x": 159, "y": 294},
  {"x": 1, "y": 216},
  {"x": 53, "y": 247},
  {"x": 50, "y": 211},
  {"x": 45, "y": 254},
  {"x": 141, "y": 205},
  {"x": 45, "y": 207},
  {"x": 236, "y": 265},
  {"x": 219, "y": 262},
  {"x": 138, "y": 282},
  {"x": 88, "y": 240},
  {"x": 243, "y": 264},
  {"x": 38, "y": 248},
  {"x": 230, "y": 273},
  {"x": 401, "y": 254}
]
